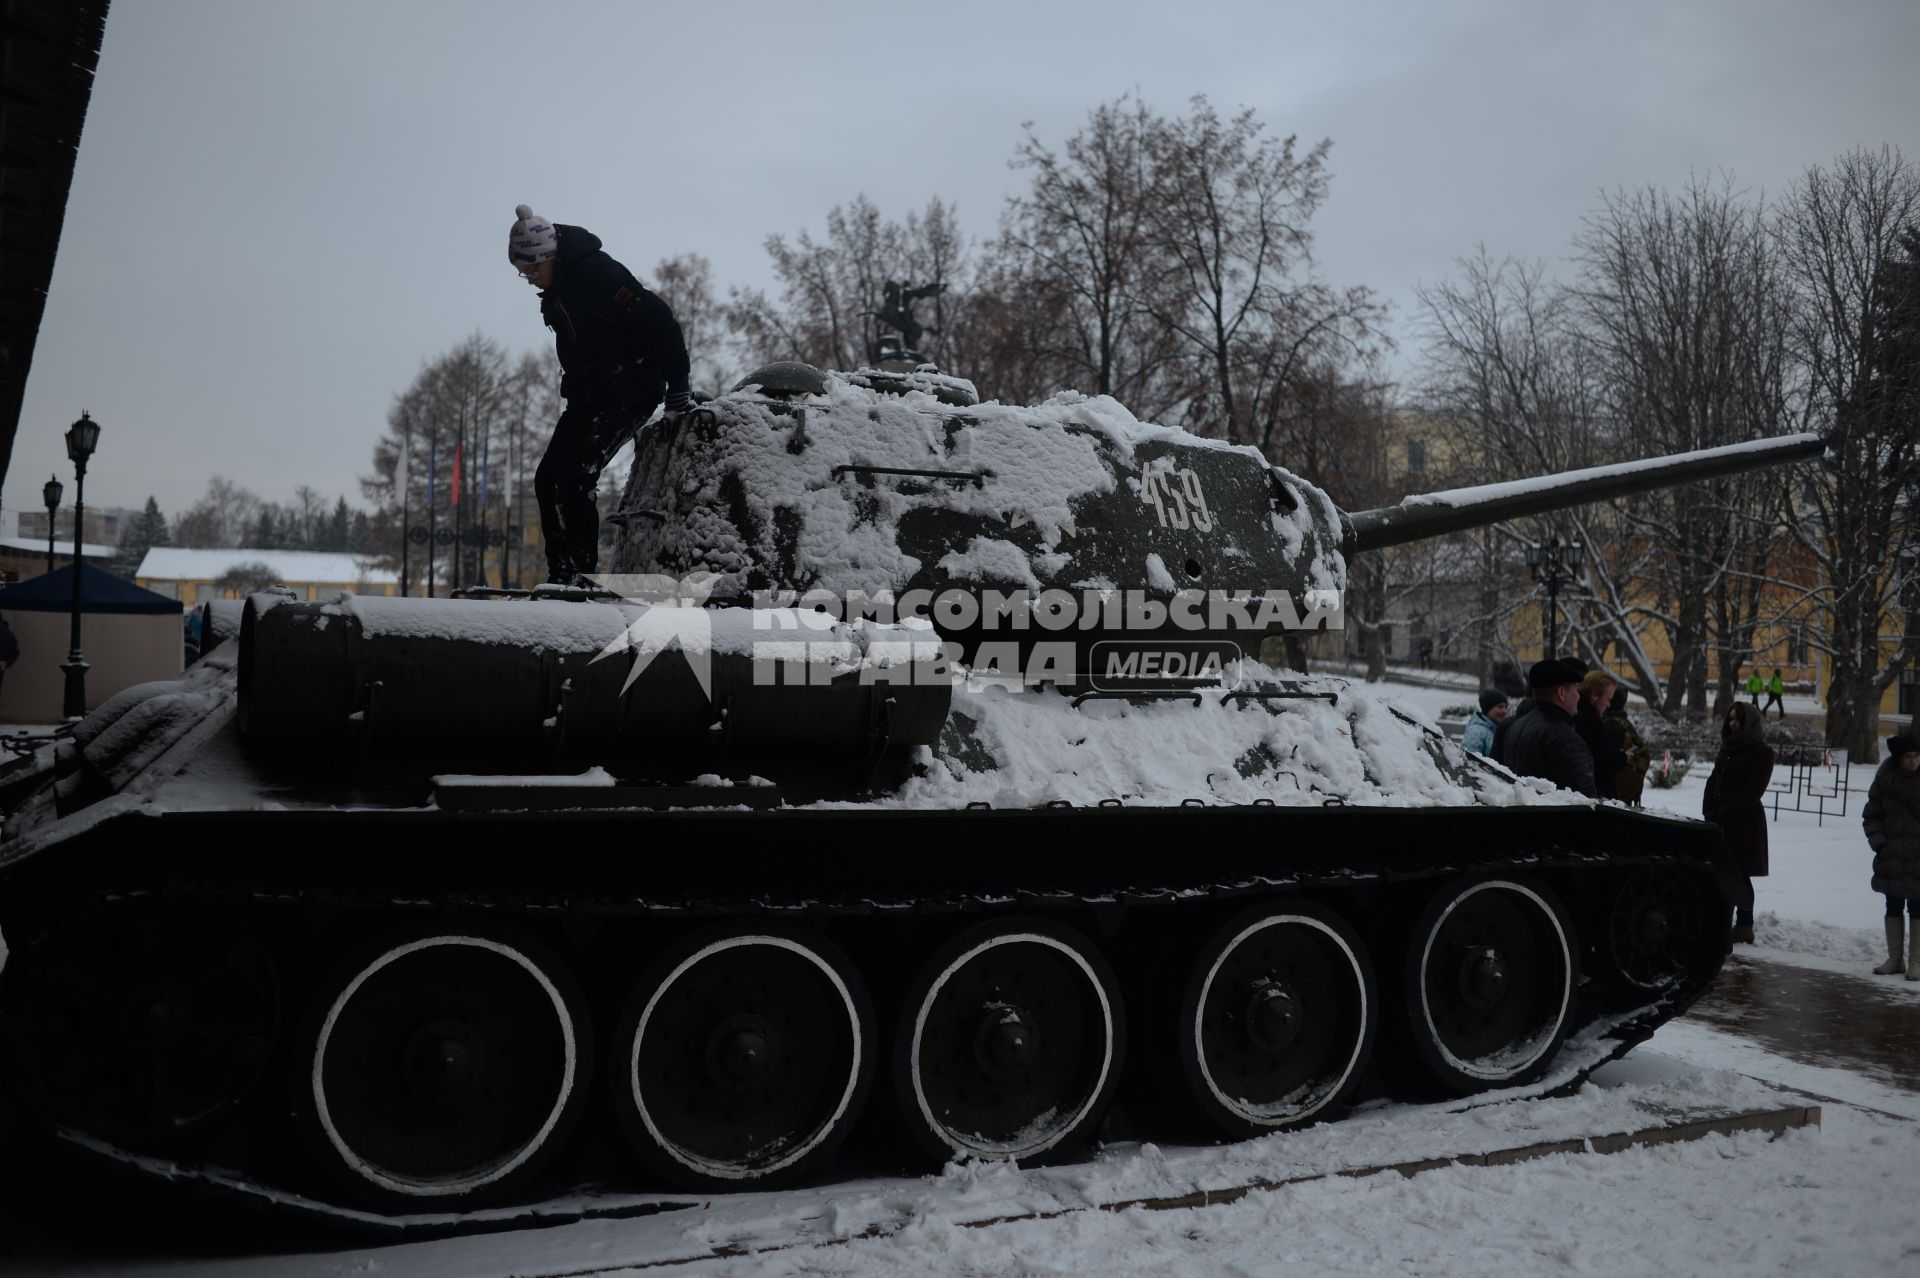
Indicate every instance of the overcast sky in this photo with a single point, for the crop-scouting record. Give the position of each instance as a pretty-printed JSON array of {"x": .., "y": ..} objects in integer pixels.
[{"x": 282, "y": 208}]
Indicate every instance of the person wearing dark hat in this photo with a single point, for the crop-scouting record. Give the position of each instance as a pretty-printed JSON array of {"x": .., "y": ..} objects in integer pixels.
[
  {"x": 1506, "y": 677},
  {"x": 1892, "y": 822},
  {"x": 1739, "y": 780},
  {"x": 1480, "y": 727},
  {"x": 621, "y": 356},
  {"x": 1542, "y": 742}
]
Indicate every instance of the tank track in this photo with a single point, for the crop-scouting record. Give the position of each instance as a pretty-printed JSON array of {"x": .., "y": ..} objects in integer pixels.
[{"x": 601, "y": 936}]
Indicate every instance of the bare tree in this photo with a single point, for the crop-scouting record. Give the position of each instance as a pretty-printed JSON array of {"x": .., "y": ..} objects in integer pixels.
[
  {"x": 832, "y": 289},
  {"x": 479, "y": 404},
  {"x": 1847, "y": 236},
  {"x": 222, "y": 518},
  {"x": 1679, "y": 296},
  {"x": 1515, "y": 381},
  {"x": 243, "y": 579},
  {"x": 1230, "y": 225},
  {"x": 685, "y": 282},
  {"x": 1076, "y": 245}
]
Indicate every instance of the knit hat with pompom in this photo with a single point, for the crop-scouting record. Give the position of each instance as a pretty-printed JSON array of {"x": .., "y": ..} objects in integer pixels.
[{"x": 532, "y": 239}]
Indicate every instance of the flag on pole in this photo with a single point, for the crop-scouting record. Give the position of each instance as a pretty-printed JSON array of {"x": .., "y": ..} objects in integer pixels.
[{"x": 456, "y": 474}]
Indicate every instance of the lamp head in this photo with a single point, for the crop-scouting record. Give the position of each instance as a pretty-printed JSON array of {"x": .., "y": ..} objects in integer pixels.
[{"x": 82, "y": 438}]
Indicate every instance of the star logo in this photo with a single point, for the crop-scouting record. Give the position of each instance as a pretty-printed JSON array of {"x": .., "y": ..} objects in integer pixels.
[{"x": 672, "y": 615}]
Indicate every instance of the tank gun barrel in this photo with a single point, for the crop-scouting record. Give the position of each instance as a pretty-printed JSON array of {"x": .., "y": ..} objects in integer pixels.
[{"x": 1436, "y": 514}]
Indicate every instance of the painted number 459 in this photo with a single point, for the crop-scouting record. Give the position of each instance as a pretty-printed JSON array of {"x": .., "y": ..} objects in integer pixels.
[{"x": 1176, "y": 497}]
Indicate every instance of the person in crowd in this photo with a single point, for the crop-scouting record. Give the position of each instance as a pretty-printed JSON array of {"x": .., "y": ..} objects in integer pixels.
[
  {"x": 1776, "y": 690},
  {"x": 1521, "y": 710},
  {"x": 9, "y": 649},
  {"x": 622, "y": 355},
  {"x": 1506, "y": 677},
  {"x": 1741, "y": 772},
  {"x": 1754, "y": 688},
  {"x": 1630, "y": 781},
  {"x": 1542, "y": 742},
  {"x": 1892, "y": 822},
  {"x": 1479, "y": 734},
  {"x": 1596, "y": 694}
]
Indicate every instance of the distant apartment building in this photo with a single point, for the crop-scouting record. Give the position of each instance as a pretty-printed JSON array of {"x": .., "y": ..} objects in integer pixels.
[{"x": 104, "y": 524}]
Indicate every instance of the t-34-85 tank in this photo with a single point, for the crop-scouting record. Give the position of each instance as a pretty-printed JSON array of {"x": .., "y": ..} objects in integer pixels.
[{"x": 916, "y": 775}]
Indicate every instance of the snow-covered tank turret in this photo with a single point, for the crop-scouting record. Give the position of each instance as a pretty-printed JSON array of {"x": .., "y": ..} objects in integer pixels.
[{"x": 919, "y": 762}]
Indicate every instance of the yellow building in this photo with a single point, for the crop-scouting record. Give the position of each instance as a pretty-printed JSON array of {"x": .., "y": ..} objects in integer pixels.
[{"x": 195, "y": 576}]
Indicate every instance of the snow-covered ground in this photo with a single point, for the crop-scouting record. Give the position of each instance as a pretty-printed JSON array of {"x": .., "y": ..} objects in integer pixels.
[{"x": 1839, "y": 1200}]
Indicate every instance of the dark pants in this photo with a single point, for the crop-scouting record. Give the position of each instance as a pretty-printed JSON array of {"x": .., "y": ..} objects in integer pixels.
[
  {"x": 1893, "y": 906},
  {"x": 586, "y": 437},
  {"x": 1773, "y": 699}
]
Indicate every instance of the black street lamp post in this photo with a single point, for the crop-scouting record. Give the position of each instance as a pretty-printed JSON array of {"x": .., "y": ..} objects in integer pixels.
[
  {"x": 51, "y": 492},
  {"x": 82, "y": 436},
  {"x": 1552, "y": 563}
]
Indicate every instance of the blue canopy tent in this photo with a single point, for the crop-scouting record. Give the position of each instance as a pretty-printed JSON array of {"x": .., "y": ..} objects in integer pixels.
[{"x": 128, "y": 635}]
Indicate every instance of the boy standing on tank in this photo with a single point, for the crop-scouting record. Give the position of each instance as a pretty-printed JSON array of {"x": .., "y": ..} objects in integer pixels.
[
  {"x": 1892, "y": 822},
  {"x": 621, "y": 353}
]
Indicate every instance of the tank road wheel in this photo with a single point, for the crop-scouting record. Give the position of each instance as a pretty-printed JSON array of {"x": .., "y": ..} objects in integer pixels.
[
  {"x": 1277, "y": 1020},
  {"x": 1654, "y": 932},
  {"x": 1010, "y": 1043},
  {"x": 743, "y": 1059},
  {"x": 1489, "y": 983},
  {"x": 442, "y": 1068},
  {"x": 145, "y": 1022}
]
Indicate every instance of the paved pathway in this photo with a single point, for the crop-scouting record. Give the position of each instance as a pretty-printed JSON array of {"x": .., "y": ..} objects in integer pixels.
[{"x": 1869, "y": 1023}]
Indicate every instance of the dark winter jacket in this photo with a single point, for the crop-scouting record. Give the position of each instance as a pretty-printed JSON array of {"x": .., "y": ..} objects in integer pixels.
[
  {"x": 9, "y": 646},
  {"x": 607, "y": 329},
  {"x": 1741, "y": 772},
  {"x": 1607, "y": 759},
  {"x": 1479, "y": 734},
  {"x": 1892, "y": 821},
  {"x": 1630, "y": 782},
  {"x": 1523, "y": 706},
  {"x": 1543, "y": 744}
]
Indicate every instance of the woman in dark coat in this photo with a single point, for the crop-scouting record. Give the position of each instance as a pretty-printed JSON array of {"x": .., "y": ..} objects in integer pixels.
[
  {"x": 1741, "y": 772},
  {"x": 1623, "y": 738},
  {"x": 1892, "y": 821}
]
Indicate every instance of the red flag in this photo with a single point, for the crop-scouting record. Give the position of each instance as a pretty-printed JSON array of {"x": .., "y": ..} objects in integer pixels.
[{"x": 456, "y": 474}]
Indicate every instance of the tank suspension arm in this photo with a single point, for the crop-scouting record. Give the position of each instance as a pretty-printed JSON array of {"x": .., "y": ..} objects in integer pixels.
[{"x": 1436, "y": 514}]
